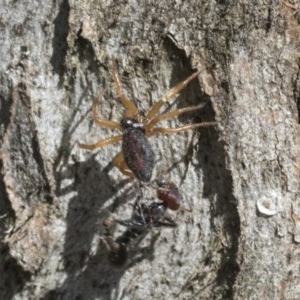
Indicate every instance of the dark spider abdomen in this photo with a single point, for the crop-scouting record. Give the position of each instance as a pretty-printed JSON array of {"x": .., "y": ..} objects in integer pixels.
[{"x": 137, "y": 153}]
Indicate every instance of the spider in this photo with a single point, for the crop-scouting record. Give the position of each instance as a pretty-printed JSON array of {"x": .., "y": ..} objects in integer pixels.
[{"x": 137, "y": 158}]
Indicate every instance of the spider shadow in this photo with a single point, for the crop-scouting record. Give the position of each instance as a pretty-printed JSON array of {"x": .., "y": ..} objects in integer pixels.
[{"x": 90, "y": 273}]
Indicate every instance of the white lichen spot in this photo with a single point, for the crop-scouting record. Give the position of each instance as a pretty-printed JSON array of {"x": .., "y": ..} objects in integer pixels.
[{"x": 267, "y": 205}]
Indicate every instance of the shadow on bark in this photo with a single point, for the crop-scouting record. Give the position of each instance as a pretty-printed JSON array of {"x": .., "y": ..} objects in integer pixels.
[
  {"x": 15, "y": 277},
  {"x": 59, "y": 42},
  {"x": 88, "y": 272},
  {"x": 218, "y": 187}
]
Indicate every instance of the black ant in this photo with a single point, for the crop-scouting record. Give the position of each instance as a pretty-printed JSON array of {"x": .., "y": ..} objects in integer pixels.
[
  {"x": 137, "y": 158},
  {"x": 144, "y": 218}
]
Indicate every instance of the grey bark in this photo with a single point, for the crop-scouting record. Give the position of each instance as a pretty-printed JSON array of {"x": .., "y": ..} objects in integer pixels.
[{"x": 241, "y": 240}]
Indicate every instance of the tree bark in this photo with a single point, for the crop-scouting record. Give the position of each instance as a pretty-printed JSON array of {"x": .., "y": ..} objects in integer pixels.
[{"x": 241, "y": 177}]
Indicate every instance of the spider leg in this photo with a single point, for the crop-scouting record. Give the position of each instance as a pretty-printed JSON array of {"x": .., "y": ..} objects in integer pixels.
[
  {"x": 172, "y": 114},
  {"x": 132, "y": 110},
  {"x": 157, "y": 130},
  {"x": 102, "y": 143},
  {"x": 171, "y": 93},
  {"x": 121, "y": 165},
  {"x": 98, "y": 120}
]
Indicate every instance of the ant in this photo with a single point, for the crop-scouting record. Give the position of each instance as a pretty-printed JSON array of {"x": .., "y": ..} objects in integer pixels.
[
  {"x": 137, "y": 157},
  {"x": 143, "y": 219},
  {"x": 170, "y": 194}
]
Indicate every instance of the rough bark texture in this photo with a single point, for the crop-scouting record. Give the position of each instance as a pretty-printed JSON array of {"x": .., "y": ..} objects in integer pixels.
[{"x": 241, "y": 240}]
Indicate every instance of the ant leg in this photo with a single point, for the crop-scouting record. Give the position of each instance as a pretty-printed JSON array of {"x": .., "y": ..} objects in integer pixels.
[
  {"x": 168, "y": 223},
  {"x": 98, "y": 120},
  {"x": 121, "y": 165},
  {"x": 171, "y": 93},
  {"x": 183, "y": 208},
  {"x": 132, "y": 110},
  {"x": 108, "y": 242},
  {"x": 157, "y": 130},
  {"x": 126, "y": 223},
  {"x": 117, "y": 252},
  {"x": 102, "y": 143},
  {"x": 172, "y": 114}
]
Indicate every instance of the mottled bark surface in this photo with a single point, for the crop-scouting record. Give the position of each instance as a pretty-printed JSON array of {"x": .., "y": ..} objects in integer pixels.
[{"x": 241, "y": 178}]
